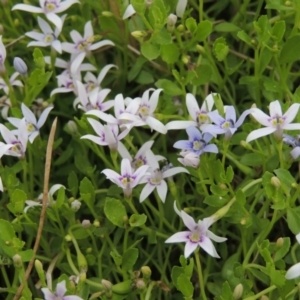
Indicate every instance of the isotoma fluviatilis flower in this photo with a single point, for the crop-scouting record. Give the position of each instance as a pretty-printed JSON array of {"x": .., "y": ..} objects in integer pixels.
[
  {"x": 197, "y": 235},
  {"x": 294, "y": 271},
  {"x": 276, "y": 122},
  {"x": 128, "y": 178}
]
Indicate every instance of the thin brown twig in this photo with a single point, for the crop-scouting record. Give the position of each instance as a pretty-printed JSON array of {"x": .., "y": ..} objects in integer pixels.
[{"x": 44, "y": 206}]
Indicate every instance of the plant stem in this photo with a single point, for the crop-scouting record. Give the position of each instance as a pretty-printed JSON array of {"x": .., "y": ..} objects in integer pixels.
[{"x": 200, "y": 275}]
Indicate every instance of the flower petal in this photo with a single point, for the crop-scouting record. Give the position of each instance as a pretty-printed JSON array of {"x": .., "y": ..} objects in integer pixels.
[
  {"x": 29, "y": 8},
  {"x": 179, "y": 237},
  {"x": 103, "y": 73},
  {"x": 101, "y": 44},
  {"x": 56, "y": 20},
  {"x": 180, "y": 8},
  {"x": 188, "y": 221},
  {"x": 194, "y": 133},
  {"x": 275, "y": 109},
  {"x": 214, "y": 237},
  {"x": 293, "y": 272},
  {"x": 162, "y": 190},
  {"x": 291, "y": 113},
  {"x": 128, "y": 12},
  {"x": 192, "y": 106},
  {"x": 259, "y": 133},
  {"x": 180, "y": 124},
  {"x": 260, "y": 116},
  {"x": 189, "y": 248},
  {"x": 61, "y": 289},
  {"x": 146, "y": 191},
  {"x": 156, "y": 125},
  {"x": 172, "y": 171},
  {"x": 207, "y": 245},
  {"x": 47, "y": 293},
  {"x": 126, "y": 169}
]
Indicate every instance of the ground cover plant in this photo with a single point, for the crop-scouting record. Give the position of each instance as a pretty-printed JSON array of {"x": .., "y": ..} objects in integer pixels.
[{"x": 149, "y": 149}]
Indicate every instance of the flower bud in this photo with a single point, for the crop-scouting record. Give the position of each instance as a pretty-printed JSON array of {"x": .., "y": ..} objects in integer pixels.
[
  {"x": 20, "y": 66},
  {"x": 245, "y": 145},
  {"x": 253, "y": 42},
  {"x": 107, "y": 14},
  {"x": 189, "y": 159},
  {"x": 68, "y": 238},
  {"x": 172, "y": 19},
  {"x": 40, "y": 271},
  {"x": 17, "y": 259},
  {"x": 139, "y": 34},
  {"x": 264, "y": 297},
  {"x": 89, "y": 250},
  {"x": 140, "y": 284},
  {"x": 279, "y": 242},
  {"x": 222, "y": 186},
  {"x": 287, "y": 3},
  {"x": 294, "y": 185},
  {"x": 72, "y": 127},
  {"x": 86, "y": 223},
  {"x": 82, "y": 263},
  {"x": 16, "y": 22},
  {"x": 200, "y": 49},
  {"x": 275, "y": 182},
  {"x": 238, "y": 291},
  {"x": 185, "y": 59},
  {"x": 148, "y": 2},
  {"x": 75, "y": 205},
  {"x": 107, "y": 285},
  {"x": 96, "y": 223},
  {"x": 180, "y": 28},
  {"x": 146, "y": 271}
]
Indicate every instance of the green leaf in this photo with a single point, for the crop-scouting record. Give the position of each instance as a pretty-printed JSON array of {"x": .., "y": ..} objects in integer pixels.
[
  {"x": 226, "y": 27},
  {"x": 218, "y": 191},
  {"x": 185, "y": 286},
  {"x": 215, "y": 201},
  {"x": 144, "y": 78},
  {"x": 139, "y": 6},
  {"x": 86, "y": 190},
  {"x": 242, "y": 35},
  {"x": 253, "y": 159},
  {"x": 191, "y": 24},
  {"x": 116, "y": 257},
  {"x": 220, "y": 49},
  {"x": 136, "y": 68},
  {"x": 60, "y": 198},
  {"x": 283, "y": 249},
  {"x": 229, "y": 174},
  {"x": 137, "y": 220},
  {"x": 285, "y": 177},
  {"x": 7, "y": 231},
  {"x": 150, "y": 51},
  {"x": 129, "y": 258},
  {"x": 293, "y": 218},
  {"x": 277, "y": 278},
  {"x": 26, "y": 255},
  {"x": 38, "y": 58},
  {"x": 115, "y": 211},
  {"x": 226, "y": 292},
  {"x": 203, "y": 30},
  {"x": 158, "y": 14},
  {"x": 176, "y": 272},
  {"x": 290, "y": 50},
  {"x": 278, "y": 30},
  {"x": 203, "y": 75},
  {"x": 170, "y": 53},
  {"x": 169, "y": 87},
  {"x": 262, "y": 27},
  {"x": 73, "y": 183},
  {"x": 17, "y": 202},
  {"x": 162, "y": 37}
]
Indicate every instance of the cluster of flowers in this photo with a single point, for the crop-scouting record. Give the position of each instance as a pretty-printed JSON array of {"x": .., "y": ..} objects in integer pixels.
[{"x": 143, "y": 168}]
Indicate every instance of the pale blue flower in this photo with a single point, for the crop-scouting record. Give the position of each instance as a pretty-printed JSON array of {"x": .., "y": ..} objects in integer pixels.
[
  {"x": 197, "y": 142},
  {"x": 227, "y": 125},
  {"x": 294, "y": 142}
]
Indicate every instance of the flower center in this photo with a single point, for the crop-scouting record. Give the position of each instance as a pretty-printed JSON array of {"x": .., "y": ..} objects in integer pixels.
[
  {"x": 90, "y": 86},
  {"x": 126, "y": 180},
  {"x": 198, "y": 145},
  {"x": 50, "y": 5},
  {"x": 17, "y": 147},
  {"x": 202, "y": 118},
  {"x": 48, "y": 38},
  {"x": 144, "y": 111},
  {"x": 277, "y": 121},
  {"x": 227, "y": 124},
  {"x": 156, "y": 177},
  {"x": 138, "y": 162},
  {"x": 81, "y": 46},
  {"x": 195, "y": 236},
  {"x": 30, "y": 127}
]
